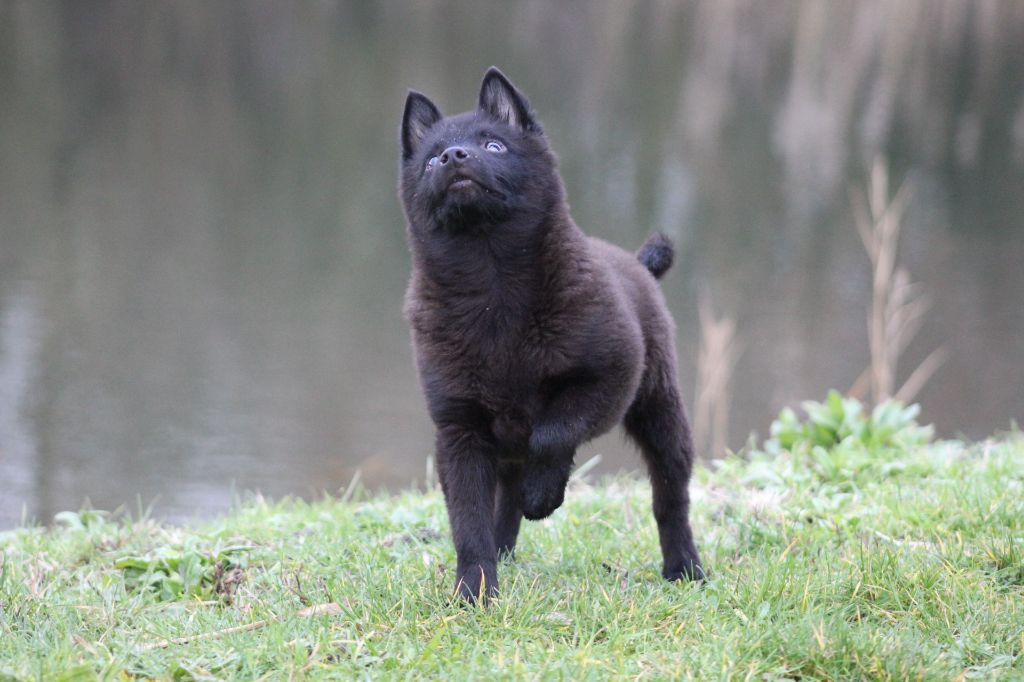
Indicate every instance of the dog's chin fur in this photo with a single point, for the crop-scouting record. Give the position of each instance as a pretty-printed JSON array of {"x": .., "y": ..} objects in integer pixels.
[
  {"x": 530, "y": 338},
  {"x": 469, "y": 209}
]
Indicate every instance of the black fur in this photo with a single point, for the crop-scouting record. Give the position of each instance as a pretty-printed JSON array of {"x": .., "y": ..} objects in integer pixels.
[
  {"x": 530, "y": 337},
  {"x": 656, "y": 254}
]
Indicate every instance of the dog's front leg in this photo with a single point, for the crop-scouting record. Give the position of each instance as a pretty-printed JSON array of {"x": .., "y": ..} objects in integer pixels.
[
  {"x": 466, "y": 464},
  {"x": 545, "y": 478},
  {"x": 576, "y": 410}
]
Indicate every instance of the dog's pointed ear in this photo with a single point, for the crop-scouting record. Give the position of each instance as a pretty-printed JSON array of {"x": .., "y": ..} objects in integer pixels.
[
  {"x": 420, "y": 115},
  {"x": 500, "y": 99}
]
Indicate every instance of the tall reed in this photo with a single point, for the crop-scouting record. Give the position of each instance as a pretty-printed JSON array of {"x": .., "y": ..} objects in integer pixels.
[
  {"x": 716, "y": 360},
  {"x": 898, "y": 305}
]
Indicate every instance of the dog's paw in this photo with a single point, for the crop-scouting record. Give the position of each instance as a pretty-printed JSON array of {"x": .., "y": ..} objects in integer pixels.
[
  {"x": 546, "y": 474},
  {"x": 506, "y": 552},
  {"x": 477, "y": 583},
  {"x": 540, "y": 500},
  {"x": 689, "y": 570}
]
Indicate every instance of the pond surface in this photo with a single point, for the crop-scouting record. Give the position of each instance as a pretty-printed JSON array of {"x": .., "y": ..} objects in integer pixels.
[{"x": 202, "y": 257}]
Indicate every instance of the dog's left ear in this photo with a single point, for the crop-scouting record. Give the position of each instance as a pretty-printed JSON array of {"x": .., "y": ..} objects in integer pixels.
[
  {"x": 500, "y": 99},
  {"x": 419, "y": 116}
]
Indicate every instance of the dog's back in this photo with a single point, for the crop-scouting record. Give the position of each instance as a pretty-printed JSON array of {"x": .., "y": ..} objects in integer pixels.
[{"x": 636, "y": 276}]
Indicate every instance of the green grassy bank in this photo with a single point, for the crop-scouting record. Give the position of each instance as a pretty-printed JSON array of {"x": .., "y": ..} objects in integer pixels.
[{"x": 848, "y": 546}]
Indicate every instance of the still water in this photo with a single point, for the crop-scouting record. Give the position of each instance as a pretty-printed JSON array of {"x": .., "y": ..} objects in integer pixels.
[{"x": 202, "y": 258}]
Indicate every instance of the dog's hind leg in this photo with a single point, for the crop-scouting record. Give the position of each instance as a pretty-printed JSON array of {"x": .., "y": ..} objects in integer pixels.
[
  {"x": 508, "y": 514},
  {"x": 657, "y": 422}
]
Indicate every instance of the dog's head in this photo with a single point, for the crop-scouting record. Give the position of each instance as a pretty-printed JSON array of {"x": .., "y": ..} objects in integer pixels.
[{"x": 476, "y": 170}]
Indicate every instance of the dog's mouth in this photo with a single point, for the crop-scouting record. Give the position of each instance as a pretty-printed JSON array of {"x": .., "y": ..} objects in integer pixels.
[{"x": 463, "y": 182}]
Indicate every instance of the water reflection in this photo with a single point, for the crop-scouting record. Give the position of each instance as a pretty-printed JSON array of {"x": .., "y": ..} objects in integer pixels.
[{"x": 202, "y": 258}]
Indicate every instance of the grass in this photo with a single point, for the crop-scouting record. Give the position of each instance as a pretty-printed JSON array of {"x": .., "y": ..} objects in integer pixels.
[{"x": 867, "y": 553}]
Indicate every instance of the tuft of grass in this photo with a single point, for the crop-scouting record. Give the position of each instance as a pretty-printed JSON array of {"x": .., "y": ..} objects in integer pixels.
[{"x": 842, "y": 556}]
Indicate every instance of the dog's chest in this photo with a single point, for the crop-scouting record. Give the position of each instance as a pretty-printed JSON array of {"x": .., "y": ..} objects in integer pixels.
[
  {"x": 497, "y": 361},
  {"x": 490, "y": 354}
]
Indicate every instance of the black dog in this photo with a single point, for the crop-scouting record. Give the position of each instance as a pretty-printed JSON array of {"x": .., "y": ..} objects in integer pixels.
[{"x": 530, "y": 337}]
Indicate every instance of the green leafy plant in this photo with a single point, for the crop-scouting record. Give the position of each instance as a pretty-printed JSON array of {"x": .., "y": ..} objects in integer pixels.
[
  {"x": 84, "y": 520},
  {"x": 840, "y": 420},
  {"x": 176, "y": 573},
  {"x": 840, "y": 442}
]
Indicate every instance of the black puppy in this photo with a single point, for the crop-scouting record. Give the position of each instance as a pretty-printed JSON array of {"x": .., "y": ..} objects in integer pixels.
[{"x": 530, "y": 337}]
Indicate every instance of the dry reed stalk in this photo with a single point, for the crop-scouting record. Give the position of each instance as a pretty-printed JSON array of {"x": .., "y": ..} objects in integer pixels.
[
  {"x": 331, "y": 609},
  {"x": 898, "y": 305},
  {"x": 716, "y": 360}
]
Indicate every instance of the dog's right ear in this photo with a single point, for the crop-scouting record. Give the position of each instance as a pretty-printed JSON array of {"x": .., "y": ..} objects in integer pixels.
[
  {"x": 420, "y": 114},
  {"x": 503, "y": 102}
]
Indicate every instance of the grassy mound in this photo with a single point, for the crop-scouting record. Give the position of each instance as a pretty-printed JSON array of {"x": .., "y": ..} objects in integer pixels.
[{"x": 847, "y": 546}]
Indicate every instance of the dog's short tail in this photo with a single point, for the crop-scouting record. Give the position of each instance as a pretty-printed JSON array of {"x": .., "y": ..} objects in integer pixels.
[{"x": 656, "y": 254}]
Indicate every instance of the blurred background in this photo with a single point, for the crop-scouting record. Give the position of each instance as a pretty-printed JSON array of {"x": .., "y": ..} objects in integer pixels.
[{"x": 202, "y": 257}]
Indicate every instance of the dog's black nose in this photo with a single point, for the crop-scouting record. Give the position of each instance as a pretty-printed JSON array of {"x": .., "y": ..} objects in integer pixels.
[{"x": 454, "y": 155}]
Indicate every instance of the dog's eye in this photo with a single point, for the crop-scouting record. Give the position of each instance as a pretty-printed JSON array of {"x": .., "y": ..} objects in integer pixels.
[
  {"x": 431, "y": 162},
  {"x": 494, "y": 146}
]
